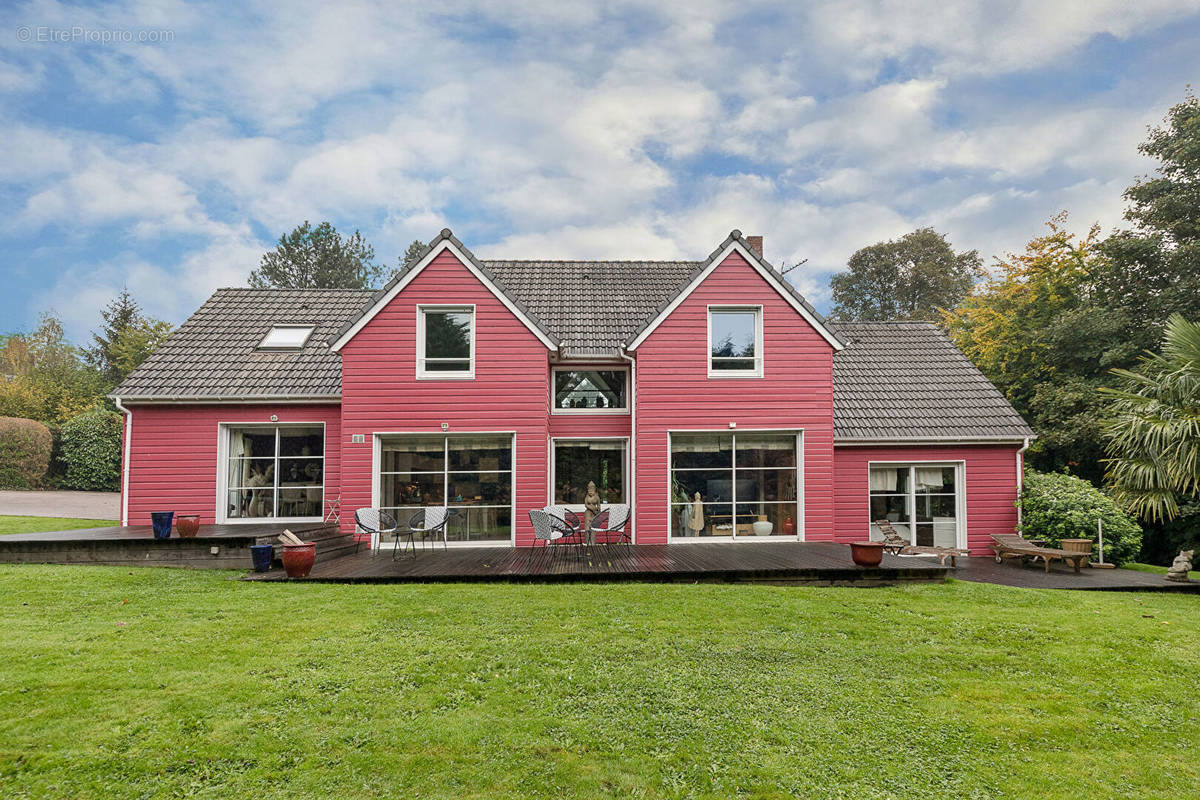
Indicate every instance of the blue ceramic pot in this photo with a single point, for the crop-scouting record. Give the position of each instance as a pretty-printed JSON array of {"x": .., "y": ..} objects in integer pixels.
[
  {"x": 162, "y": 523},
  {"x": 262, "y": 554}
]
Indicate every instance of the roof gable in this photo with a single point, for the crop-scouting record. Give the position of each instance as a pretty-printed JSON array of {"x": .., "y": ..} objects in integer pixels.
[
  {"x": 734, "y": 243},
  {"x": 444, "y": 241}
]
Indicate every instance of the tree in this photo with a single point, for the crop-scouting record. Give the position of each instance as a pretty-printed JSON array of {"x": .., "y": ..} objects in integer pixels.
[
  {"x": 1153, "y": 428},
  {"x": 126, "y": 338},
  {"x": 50, "y": 382},
  {"x": 907, "y": 278},
  {"x": 318, "y": 258},
  {"x": 412, "y": 253}
]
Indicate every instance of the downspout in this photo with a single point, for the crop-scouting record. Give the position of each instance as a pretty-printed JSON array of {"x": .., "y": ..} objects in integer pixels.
[
  {"x": 1021, "y": 477},
  {"x": 632, "y": 441},
  {"x": 125, "y": 459}
]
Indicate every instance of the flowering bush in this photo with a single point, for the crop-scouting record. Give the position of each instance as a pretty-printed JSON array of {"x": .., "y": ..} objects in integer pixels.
[{"x": 1056, "y": 506}]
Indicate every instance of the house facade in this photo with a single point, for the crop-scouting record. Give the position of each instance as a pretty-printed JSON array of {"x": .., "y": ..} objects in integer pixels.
[{"x": 709, "y": 396}]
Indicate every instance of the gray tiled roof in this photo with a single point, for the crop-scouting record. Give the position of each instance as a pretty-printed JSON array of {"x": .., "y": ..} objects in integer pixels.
[
  {"x": 592, "y": 307},
  {"x": 213, "y": 354},
  {"x": 907, "y": 380}
]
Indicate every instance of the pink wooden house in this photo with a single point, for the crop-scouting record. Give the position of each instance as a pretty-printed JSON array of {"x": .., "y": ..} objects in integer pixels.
[{"x": 496, "y": 387}]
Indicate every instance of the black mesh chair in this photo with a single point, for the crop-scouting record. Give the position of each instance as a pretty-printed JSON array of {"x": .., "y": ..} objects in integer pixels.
[
  {"x": 569, "y": 524},
  {"x": 379, "y": 524},
  {"x": 612, "y": 524}
]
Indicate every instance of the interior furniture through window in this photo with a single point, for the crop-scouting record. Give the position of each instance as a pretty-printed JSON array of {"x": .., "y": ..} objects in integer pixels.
[
  {"x": 590, "y": 390},
  {"x": 742, "y": 479},
  {"x": 471, "y": 473},
  {"x": 275, "y": 471},
  {"x": 920, "y": 500}
]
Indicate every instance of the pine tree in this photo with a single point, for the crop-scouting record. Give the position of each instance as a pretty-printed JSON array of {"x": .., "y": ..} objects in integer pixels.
[{"x": 318, "y": 258}]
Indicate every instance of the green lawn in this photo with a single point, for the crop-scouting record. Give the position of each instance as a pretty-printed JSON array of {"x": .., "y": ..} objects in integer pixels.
[
  {"x": 9, "y": 524},
  {"x": 119, "y": 682},
  {"x": 1194, "y": 574}
]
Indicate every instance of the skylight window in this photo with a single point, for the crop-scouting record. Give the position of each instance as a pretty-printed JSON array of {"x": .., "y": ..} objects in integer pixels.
[{"x": 286, "y": 337}]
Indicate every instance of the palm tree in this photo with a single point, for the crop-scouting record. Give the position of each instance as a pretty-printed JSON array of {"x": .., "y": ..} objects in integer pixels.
[{"x": 1153, "y": 430}]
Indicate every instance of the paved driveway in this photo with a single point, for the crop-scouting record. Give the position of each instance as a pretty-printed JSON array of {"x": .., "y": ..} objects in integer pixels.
[{"x": 83, "y": 505}]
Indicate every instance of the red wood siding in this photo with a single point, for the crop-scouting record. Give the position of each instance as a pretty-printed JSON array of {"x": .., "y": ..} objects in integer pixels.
[
  {"x": 510, "y": 391},
  {"x": 173, "y": 453},
  {"x": 991, "y": 487},
  {"x": 674, "y": 392}
]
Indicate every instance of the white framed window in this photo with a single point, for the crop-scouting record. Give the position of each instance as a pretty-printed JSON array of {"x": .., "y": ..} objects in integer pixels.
[
  {"x": 577, "y": 462},
  {"x": 272, "y": 472},
  {"x": 286, "y": 337},
  {"x": 445, "y": 342},
  {"x": 735, "y": 342},
  {"x": 924, "y": 501},
  {"x": 590, "y": 391},
  {"x": 735, "y": 485}
]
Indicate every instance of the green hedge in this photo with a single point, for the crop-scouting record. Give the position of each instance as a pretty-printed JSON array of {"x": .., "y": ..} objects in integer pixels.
[
  {"x": 25, "y": 446},
  {"x": 91, "y": 451},
  {"x": 1056, "y": 506}
]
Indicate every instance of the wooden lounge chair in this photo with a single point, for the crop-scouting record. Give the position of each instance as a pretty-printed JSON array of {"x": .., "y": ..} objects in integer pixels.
[
  {"x": 897, "y": 545},
  {"x": 1013, "y": 545}
]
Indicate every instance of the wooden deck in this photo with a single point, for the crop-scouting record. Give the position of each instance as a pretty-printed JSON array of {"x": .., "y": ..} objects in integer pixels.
[
  {"x": 986, "y": 570},
  {"x": 214, "y": 547},
  {"x": 821, "y": 563}
]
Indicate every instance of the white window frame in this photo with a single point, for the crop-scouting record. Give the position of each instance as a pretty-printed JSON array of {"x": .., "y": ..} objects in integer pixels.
[
  {"x": 223, "y": 432},
  {"x": 578, "y": 507},
  {"x": 733, "y": 537},
  {"x": 422, "y": 374},
  {"x": 554, "y": 409},
  {"x": 262, "y": 345},
  {"x": 960, "y": 496},
  {"x": 757, "y": 372},
  {"x": 377, "y": 480}
]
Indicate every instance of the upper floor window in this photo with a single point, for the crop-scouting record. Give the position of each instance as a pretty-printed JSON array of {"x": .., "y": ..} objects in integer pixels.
[
  {"x": 286, "y": 337},
  {"x": 735, "y": 342},
  {"x": 590, "y": 390},
  {"x": 445, "y": 342}
]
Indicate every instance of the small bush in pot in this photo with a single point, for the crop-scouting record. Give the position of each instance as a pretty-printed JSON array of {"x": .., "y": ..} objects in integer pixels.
[{"x": 1057, "y": 506}]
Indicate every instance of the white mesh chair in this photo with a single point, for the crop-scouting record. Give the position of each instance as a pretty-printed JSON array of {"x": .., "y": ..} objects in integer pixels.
[
  {"x": 569, "y": 524},
  {"x": 545, "y": 527},
  {"x": 379, "y": 524},
  {"x": 612, "y": 523},
  {"x": 428, "y": 523}
]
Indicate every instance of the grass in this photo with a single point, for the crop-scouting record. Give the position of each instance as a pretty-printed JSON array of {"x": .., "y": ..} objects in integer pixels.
[
  {"x": 1194, "y": 574},
  {"x": 11, "y": 524},
  {"x": 118, "y": 682}
]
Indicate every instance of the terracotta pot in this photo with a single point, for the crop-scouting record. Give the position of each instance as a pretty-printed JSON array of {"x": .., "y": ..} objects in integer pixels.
[
  {"x": 789, "y": 527},
  {"x": 298, "y": 559},
  {"x": 187, "y": 525},
  {"x": 867, "y": 554}
]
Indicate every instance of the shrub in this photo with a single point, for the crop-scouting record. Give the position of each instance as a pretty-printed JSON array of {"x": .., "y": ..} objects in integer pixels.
[
  {"x": 91, "y": 450},
  {"x": 1056, "y": 506},
  {"x": 24, "y": 453}
]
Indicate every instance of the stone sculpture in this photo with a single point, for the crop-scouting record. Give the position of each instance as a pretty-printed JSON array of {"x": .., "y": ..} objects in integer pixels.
[{"x": 1181, "y": 566}]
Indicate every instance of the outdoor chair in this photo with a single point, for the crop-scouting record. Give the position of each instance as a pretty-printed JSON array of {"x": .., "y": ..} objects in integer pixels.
[
  {"x": 545, "y": 527},
  {"x": 613, "y": 523},
  {"x": 897, "y": 545},
  {"x": 427, "y": 523},
  {"x": 1014, "y": 545},
  {"x": 568, "y": 523},
  {"x": 378, "y": 524}
]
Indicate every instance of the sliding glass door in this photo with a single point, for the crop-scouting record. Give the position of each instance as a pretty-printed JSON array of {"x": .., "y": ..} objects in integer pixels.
[
  {"x": 470, "y": 473},
  {"x": 920, "y": 500}
]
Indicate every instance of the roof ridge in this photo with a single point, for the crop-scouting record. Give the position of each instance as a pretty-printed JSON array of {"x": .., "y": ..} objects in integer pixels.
[
  {"x": 589, "y": 261},
  {"x": 289, "y": 289}
]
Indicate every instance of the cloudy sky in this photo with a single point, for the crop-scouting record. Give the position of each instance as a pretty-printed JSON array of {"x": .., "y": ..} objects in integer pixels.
[{"x": 170, "y": 156}]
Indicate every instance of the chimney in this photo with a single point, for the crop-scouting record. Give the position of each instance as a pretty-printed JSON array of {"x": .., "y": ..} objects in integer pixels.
[{"x": 755, "y": 243}]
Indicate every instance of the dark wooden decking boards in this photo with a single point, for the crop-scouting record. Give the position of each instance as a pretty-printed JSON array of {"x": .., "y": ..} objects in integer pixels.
[
  {"x": 784, "y": 562},
  {"x": 986, "y": 570},
  {"x": 214, "y": 547}
]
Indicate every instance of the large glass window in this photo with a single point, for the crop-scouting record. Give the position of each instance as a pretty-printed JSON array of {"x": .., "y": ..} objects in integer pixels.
[
  {"x": 590, "y": 390},
  {"x": 735, "y": 341},
  {"x": 445, "y": 342},
  {"x": 577, "y": 462},
  {"x": 920, "y": 500},
  {"x": 731, "y": 485},
  {"x": 275, "y": 471},
  {"x": 470, "y": 473}
]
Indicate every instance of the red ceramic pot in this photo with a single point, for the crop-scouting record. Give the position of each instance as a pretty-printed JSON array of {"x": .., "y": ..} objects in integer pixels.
[
  {"x": 298, "y": 559},
  {"x": 187, "y": 525},
  {"x": 789, "y": 527},
  {"x": 867, "y": 554}
]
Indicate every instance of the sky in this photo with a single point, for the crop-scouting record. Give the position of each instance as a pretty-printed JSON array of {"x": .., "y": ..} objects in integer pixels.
[{"x": 165, "y": 146}]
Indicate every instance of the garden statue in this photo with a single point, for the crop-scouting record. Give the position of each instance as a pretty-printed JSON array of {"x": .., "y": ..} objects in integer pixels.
[
  {"x": 591, "y": 503},
  {"x": 695, "y": 522},
  {"x": 1181, "y": 566}
]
